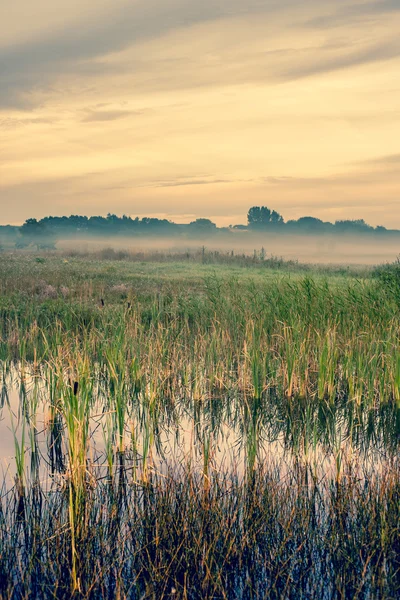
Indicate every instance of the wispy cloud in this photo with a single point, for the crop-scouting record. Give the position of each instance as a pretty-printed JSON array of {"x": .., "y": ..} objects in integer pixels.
[
  {"x": 108, "y": 115},
  {"x": 29, "y": 68},
  {"x": 343, "y": 60},
  {"x": 382, "y": 161},
  {"x": 15, "y": 123},
  {"x": 166, "y": 184},
  {"x": 357, "y": 178},
  {"x": 32, "y": 64},
  {"x": 341, "y": 13}
]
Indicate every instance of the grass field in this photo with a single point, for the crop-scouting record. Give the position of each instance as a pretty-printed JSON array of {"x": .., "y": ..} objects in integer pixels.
[{"x": 201, "y": 425}]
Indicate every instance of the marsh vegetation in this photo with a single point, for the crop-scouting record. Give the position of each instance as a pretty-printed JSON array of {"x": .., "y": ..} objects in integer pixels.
[{"x": 177, "y": 429}]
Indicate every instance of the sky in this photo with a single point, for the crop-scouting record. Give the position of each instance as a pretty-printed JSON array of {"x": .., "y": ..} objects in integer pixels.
[{"x": 185, "y": 109}]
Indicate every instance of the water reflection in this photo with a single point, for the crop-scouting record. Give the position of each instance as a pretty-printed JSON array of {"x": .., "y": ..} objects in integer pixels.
[{"x": 140, "y": 432}]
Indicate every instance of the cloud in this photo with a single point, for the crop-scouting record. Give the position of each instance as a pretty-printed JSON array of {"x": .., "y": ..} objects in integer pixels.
[
  {"x": 162, "y": 103},
  {"x": 29, "y": 68},
  {"x": 108, "y": 115},
  {"x": 14, "y": 123},
  {"x": 30, "y": 65},
  {"x": 357, "y": 195},
  {"x": 384, "y": 161},
  {"x": 354, "y": 11},
  {"x": 367, "y": 55},
  {"x": 358, "y": 178},
  {"x": 192, "y": 182}
]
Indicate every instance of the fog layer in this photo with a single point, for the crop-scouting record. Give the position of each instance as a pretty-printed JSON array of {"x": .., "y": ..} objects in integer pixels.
[{"x": 343, "y": 250}]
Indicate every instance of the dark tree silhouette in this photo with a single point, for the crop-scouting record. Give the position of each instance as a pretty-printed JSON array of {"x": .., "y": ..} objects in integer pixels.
[
  {"x": 309, "y": 225},
  {"x": 34, "y": 232},
  {"x": 43, "y": 233},
  {"x": 262, "y": 216},
  {"x": 356, "y": 225},
  {"x": 203, "y": 224}
]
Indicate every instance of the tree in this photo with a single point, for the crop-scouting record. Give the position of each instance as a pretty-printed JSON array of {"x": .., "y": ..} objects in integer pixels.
[
  {"x": 352, "y": 226},
  {"x": 240, "y": 227},
  {"x": 308, "y": 224},
  {"x": 254, "y": 215},
  {"x": 36, "y": 232},
  {"x": 276, "y": 218},
  {"x": 32, "y": 227},
  {"x": 203, "y": 224},
  {"x": 262, "y": 216},
  {"x": 201, "y": 227}
]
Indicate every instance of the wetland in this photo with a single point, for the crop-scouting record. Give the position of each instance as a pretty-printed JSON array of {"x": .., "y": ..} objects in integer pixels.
[{"x": 175, "y": 427}]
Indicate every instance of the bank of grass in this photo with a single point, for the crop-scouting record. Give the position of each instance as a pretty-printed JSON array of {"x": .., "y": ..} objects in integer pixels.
[
  {"x": 309, "y": 359},
  {"x": 21, "y": 270}
]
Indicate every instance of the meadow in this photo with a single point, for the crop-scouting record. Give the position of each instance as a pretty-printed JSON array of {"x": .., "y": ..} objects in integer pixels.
[{"x": 198, "y": 426}]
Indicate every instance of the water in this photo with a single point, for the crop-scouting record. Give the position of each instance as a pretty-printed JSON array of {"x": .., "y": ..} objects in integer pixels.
[
  {"x": 243, "y": 495},
  {"x": 220, "y": 433}
]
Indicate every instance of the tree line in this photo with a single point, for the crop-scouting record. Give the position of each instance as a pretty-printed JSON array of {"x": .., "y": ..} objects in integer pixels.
[{"x": 46, "y": 231}]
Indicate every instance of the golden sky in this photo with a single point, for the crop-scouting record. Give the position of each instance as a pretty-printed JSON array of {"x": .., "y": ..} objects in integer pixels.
[{"x": 185, "y": 109}]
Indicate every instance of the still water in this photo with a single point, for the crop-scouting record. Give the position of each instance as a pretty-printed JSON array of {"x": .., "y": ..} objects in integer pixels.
[{"x": 39, "y": 431}]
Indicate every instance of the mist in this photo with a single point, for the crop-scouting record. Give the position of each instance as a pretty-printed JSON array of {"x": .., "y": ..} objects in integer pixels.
[
  {"x": 310, "y": 249},
  {"x": 306, "y": 240}
]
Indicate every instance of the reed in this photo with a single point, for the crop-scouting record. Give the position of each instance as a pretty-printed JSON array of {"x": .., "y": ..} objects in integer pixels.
[{"x": 224, "y": 435}]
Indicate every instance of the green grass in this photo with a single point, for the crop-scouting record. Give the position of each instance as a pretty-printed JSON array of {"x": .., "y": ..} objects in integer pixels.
[
  {"x": 300, "y": 368},
  {"x": 26, "y": 271}
]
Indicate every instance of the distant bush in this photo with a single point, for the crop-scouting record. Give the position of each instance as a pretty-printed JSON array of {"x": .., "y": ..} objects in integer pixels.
[{"x": 111, "y": 254}]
